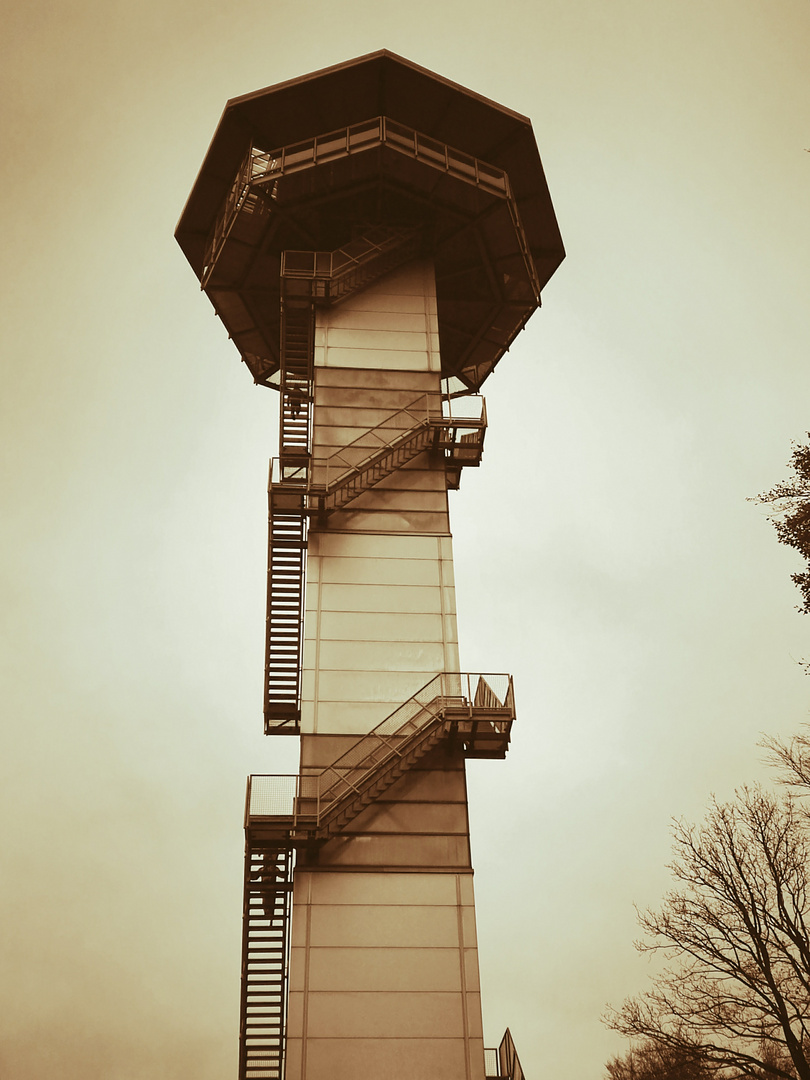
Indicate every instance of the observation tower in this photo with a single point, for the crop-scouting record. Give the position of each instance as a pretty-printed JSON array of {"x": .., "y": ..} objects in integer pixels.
[{"x": 373, "y": 237}]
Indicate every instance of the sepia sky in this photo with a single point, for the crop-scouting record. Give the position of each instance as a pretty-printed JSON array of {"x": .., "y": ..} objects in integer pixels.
[{"x": 605, "y": 551}]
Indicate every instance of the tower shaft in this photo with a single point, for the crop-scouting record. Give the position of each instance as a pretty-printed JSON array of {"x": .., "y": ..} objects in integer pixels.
[
  {"x": 384, "y": 968},
  {"x": 380, "y": 608}
]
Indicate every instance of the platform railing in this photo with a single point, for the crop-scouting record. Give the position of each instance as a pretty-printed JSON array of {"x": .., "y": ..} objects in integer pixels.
[
  {"x": 502, "y": 1063},
  {"x": 287, "y": 797},
  {"x": 378, "y": 130},
  {"x": 491, "y": 1067},
  {"x": 261, "y": 170},
  {"x": 240, "y": 198}
]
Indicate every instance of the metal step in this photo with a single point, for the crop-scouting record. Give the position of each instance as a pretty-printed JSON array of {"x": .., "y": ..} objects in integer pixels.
[
  {"x": 464, "y": 707},
  {"x": 285, "y": 611},
  {"x": 296, "y": 377},
  {"x": 376, "y": 468},
  {"x": 331, "y": 276},
  {"x": 265, "y": 951}
]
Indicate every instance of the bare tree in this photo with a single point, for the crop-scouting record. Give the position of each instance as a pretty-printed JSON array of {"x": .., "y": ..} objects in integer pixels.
[
  {"x": 735, "y": 937},
  {"x": 651, "y": 1061},
  {"x": 790, "y": 509},
  {"x": 792, "y": 760}
]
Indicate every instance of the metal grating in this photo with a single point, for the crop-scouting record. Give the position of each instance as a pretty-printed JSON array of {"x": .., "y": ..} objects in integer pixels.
[{"x": 265, "y": 950}]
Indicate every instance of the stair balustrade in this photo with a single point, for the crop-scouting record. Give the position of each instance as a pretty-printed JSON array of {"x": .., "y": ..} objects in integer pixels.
[
  {"x": 476, "y": 710},
  {"x": 425, "y": 424},
  {"x": 502, "y": 1063},
  {"x": 334, "y": 275}
]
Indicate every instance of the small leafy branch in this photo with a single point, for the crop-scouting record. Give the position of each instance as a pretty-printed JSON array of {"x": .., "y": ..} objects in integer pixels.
[{"x": 789, "y": 503}]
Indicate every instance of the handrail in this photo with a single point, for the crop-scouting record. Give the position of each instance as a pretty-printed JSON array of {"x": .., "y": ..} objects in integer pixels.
[
  {"x": 268, "y": 166},
  {"x": 309, "y": 801},
  {"x": 416, "y": 714},
  {"x": 239, "y": 196},
  {"x": 333, "y": 275},
  {"x": 418, "y": 410},
  {"x": 503, "y": 1063},
  {"x": 492, "y": 1069},
  {"x": 261, "y": 170},
  {"x": 431, "y": 409},
  {"x": 509, "y": 1059},
  {"x": 308, "y": 265}
]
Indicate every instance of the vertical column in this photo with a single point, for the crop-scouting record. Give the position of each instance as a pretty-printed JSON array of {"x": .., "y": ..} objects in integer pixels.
[
  {"x": 380, "y": 618},
  {"x": 384, "y": 965},
  {"x": 384, "y": 978}
]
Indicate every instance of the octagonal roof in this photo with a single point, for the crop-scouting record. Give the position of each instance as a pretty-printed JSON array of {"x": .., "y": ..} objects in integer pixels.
[{"x": 385, "y": 85}]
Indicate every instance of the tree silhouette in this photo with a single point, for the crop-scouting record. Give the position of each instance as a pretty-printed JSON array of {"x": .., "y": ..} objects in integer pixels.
[
  {"x": 734, "y": 932},
  {"x": 790, "y": 510},
  {"x": 652, "y": 1061}
]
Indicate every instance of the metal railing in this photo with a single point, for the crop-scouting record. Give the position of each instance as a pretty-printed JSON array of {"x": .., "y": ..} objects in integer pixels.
[
  {"x": 306, "y": 801},
  {"x": 240, "y": 198},
  {"x": 492, "y": 1069},
  {"x": 335, "y": 274},
  {"x": 274, "y": 796},
  {"x": 377, "y": 131},
  {"x": 427, "y": 410},
  {"x": 261, "y": 170},
  {"x": 502, "y": 1063}
]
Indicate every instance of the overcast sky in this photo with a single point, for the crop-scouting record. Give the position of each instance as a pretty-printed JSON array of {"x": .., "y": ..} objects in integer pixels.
[{"x": 605, "y": 551}]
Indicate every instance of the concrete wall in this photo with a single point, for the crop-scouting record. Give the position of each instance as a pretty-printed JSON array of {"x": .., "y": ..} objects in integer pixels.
[
  {"x": 380, "y": 621},
  {"x": 384, "y": 965},
  {"x": 384, "y": 978},
  {"x": 380, "y": 605}
]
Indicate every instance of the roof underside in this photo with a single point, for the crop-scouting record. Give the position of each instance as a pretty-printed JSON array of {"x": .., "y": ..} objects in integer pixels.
[{"x": 478, "y": 240}]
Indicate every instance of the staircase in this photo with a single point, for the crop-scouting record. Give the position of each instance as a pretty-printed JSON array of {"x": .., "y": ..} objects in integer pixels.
[
  {"x": 451, "y": 706},
  {"x": 285, "y": 610},
  {"x": 265, "y": 946},
  {"x": 366, "y": 771},
  {"x": 397, "y": 440},
  {"x": 319, "y": 486},
  {"x": 296, "y": 385},
  {"x": 305, "y": 279},
  {"x": 309, "y": 278},
  {"x": 377, "y": 467},
  {"x": 335, "y": 275},
  {"x": 376, "y": 253},
  {"x": 287, "y": 518},
  {"x": 440, "y": 710}
]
